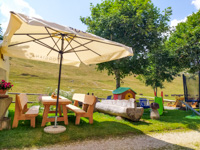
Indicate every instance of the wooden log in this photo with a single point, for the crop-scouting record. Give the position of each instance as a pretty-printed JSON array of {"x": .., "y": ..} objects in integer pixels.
[{"x": 133, "y": 114}]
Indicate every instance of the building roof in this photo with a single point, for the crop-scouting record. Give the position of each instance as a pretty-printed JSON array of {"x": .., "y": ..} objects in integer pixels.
[{"x": 122, "y": 90}]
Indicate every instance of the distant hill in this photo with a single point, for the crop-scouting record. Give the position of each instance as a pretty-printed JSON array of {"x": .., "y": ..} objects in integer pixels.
[{"x": 34, "y": 77}]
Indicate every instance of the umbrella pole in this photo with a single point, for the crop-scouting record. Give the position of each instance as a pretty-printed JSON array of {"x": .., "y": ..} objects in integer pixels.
[
  {"x": 60, "y": 68},
  {"x": 58, "y": 91},
  {"x": 57, "y": 129}
]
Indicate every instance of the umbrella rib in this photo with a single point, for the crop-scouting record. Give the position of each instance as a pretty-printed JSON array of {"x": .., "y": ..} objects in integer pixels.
[
  {"x": 52, "y": 38},
  {"x": 44, "y": 45},
  {"x": 75, "y": 53},
  {"x": 41, "y": 43},
  {"x": 87, "y": 47},
  {"x": 78, "y": 51},
  {"x": 67, "y": 44},
  {"x": 28, "y": 41},
  {"x": 54, "y": 45},
  {"x": 54, "y": 30},
  {"x": 77, "y": 47}
]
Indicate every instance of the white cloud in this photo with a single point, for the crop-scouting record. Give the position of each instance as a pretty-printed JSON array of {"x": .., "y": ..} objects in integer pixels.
[
  {"x": 19, "y": 6},
  {"x": 196, "y": 3},
  {"x": 175, "y": 22}
]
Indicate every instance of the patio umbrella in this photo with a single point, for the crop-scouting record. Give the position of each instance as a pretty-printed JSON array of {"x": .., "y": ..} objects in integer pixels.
[{"x": 32, "y": 38}]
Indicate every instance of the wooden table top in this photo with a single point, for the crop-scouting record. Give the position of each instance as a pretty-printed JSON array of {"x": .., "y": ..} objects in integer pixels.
[{"x": 51, "y": 101}]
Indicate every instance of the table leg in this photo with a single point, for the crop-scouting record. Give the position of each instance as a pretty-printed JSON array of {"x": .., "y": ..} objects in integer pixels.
[
  {"x": 45, "y": 115},
  {"x": 65, "y": 114}
]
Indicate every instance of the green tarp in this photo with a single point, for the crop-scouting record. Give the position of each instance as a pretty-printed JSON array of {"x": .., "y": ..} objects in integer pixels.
[{"x": 159, "y": 101}]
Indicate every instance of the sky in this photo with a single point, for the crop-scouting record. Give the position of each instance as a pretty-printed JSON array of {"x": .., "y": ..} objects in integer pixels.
[{"x": 68, "y": 12}]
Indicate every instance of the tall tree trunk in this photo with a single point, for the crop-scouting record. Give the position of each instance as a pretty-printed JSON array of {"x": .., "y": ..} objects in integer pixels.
[
  {"x": 117, "y": 77},
  {"x": 156, "y": 91}
]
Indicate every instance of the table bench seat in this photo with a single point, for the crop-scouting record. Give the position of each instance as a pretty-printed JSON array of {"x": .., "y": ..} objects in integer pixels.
[
  {"x": 75, "y": 109},
  {"x": 34, "y": 110},
  {"x": 24, "y": 113},
  {"x": 88, "y": 102}
]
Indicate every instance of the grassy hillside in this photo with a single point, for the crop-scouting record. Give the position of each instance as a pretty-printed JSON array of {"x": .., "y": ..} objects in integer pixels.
[{"x": 34, "y": 77}]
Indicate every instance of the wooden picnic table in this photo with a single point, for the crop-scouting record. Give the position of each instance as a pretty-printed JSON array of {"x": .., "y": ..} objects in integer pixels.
[{"x": 47, "y": 101}]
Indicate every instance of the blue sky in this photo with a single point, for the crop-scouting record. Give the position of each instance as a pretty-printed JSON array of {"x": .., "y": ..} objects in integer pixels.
[{"x": 68, "y": 12}]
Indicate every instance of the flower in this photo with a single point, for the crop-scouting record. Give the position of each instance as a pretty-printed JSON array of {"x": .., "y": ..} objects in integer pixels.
[{"x": 5, "y": 85}]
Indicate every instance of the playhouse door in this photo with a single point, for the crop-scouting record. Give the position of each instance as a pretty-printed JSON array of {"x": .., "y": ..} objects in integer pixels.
[{"x": 128, "y": 96}]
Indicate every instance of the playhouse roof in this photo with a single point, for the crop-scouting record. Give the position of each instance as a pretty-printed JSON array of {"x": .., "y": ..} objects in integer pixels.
[{"x": 122, "y": 90}]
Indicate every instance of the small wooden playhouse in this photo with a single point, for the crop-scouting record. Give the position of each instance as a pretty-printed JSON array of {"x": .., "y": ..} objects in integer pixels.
[{"x": 124, "y": 93}]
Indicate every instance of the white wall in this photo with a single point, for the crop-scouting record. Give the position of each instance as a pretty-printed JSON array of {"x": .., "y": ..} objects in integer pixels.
[{"x": 4, "y": 67}]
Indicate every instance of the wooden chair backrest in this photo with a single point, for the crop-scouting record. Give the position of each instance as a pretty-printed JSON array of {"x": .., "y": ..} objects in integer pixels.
[
  {"x": 86, "y": 99},
  {"x": 22, "y": 100}
]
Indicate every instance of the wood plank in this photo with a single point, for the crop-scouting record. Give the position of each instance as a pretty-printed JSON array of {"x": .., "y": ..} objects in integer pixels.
[
  {"x": 79, "y": 97},
  {"x": 47, "y": 100},
  {"x": 23, "y": 99},
  {"x": 45, "y": 115},
  {"x": 18, "y": 106},
  {"x": 33, "y": 110},
  {"x": 65, "y": 114},
  {"x": 89, "y": 99},
  {"x": 75, "y": 109},
  {"x": 86, "y": 99},
  {"x": 52, "y": 119}
]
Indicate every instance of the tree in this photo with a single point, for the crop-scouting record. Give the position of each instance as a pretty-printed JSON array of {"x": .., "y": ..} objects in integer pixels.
[
  {"x": 135, "y": 23},
  {"x": 184, "y": 42},
  {"x": 162, "y": 67}
]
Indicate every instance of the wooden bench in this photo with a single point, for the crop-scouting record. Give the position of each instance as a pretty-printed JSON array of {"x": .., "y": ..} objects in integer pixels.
[
  {"x": 24, "y": 113},
  {"x": 88, "y": 103}
]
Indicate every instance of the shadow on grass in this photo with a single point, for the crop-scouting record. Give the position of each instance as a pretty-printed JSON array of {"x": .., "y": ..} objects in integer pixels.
[{"x": 25, "y": 136}]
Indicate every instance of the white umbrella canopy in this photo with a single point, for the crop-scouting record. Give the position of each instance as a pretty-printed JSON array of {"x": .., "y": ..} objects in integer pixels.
[
  {"x": 32, "y": 38},
  {"x": 36, "y": 39}
]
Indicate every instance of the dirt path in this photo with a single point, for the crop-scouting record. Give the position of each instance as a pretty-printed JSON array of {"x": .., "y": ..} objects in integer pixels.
[{"x": 171, "y": 140}]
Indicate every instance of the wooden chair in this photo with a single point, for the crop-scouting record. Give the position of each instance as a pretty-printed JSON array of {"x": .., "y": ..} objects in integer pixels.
[
  {"x": 87, "y": 107},
  {"x": 24, "y": 113}
]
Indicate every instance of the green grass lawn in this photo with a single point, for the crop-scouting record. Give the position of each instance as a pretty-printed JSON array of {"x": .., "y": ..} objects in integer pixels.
[{"x": 104, "y": 126}]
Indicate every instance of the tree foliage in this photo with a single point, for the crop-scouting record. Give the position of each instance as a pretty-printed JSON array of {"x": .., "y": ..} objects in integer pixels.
[
  {"x": 162, "y": 67},
  {"x": 135, "y": 23},
  {"x": 184, "y": 42}
]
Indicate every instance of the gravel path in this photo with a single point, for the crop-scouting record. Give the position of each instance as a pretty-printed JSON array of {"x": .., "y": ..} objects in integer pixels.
[{"x": 172, "y": 140}]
